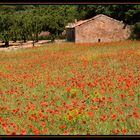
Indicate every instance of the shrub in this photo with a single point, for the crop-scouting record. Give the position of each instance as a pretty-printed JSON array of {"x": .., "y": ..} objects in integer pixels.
[{"x": 136, "y": 31}]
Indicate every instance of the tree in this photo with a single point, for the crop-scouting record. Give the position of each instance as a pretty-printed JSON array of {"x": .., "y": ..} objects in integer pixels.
[
  {"x": 5, "y": 28},
  {"x": 136, "y": 31},
  {"x": 55, "y": 18},
  {"x": 15, "y": 28},
  {"x": 25, "y": 22},
  {"x": 35, "y": 25},
  {"x": 23, "y": 26}
]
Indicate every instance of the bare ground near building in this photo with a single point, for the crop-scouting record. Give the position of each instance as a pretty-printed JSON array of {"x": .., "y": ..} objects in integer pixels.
[{"x": 28, "y": 44}]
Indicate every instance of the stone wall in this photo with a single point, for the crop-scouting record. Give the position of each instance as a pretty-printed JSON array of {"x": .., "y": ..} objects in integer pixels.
[{"x": 101, "y": 29}]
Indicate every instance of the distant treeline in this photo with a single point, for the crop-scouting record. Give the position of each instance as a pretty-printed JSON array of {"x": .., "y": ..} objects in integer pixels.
[{"x": 25, "y": 22}]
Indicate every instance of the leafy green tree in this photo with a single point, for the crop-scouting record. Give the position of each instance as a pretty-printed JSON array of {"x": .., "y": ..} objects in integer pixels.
[
  {"x": 6, "y": 23},
  {"x": 15, "y": 28},
  {"x": 25, "y": 22},
  {"x": 136, "y": 31},
  {"x": 35, "y": 25},
  {"x": 56, "y": 18},
  {"x": 23, "y": 26}
]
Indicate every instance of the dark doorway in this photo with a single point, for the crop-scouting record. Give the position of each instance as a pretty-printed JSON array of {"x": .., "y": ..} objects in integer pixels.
[
  {"x": 99, "y": 40},
  {"x": 73, "y": 35},
  {"x": 70, "y": 34}
]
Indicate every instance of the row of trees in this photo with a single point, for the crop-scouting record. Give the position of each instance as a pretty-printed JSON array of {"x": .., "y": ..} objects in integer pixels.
[
  {"x": 19, "y": 23},
  {"x": 19, "y": 27},
  {"x": 25, "y": 22}
]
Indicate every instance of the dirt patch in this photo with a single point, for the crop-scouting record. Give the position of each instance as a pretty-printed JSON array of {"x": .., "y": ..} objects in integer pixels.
[{"x": 28, "y": 44}]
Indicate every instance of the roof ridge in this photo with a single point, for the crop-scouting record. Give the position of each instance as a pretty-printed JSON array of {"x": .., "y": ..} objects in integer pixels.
[
  {"x": 107, "y": 17},
  {"x": 97, "y": 16}
]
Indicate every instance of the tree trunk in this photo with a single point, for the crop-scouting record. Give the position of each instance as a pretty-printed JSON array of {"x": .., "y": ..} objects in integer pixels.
[
  {"x": 14, "y": 39},
  {"x": 34, "y": 39},
  {"x": 33, "y": 43},
  {"x": 36, "y": 36},
  {"x": 24, "y": 39},
  {"x": 6, "y": 43}
]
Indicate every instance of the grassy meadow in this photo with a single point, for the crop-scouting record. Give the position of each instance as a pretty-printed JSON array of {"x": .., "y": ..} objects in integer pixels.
[{"x": 71, "y": 89}]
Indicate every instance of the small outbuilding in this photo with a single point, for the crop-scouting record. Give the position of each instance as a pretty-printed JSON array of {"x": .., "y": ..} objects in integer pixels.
[
  {"x": 44, "y": 34},
  {"x": 100, "y": 28}
]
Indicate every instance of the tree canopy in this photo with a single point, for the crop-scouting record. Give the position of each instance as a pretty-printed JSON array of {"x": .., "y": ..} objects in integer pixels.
[{"x": 25, "y": 22}]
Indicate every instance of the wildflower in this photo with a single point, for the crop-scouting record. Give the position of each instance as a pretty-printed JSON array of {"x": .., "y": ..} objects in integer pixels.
[
  {"x": 92, "y": 128},
  {"x": 43, "y": 124},
  {"x": 68, "y": 89},
  {"x": 102, "y": 92},
  {"x": 66, "y": 132},
  {"x": 70, "y": 117},
  {"x": 136, "y": 109},
  {"x": 83, "y": 122},
  {"x": 82, "y": 85},
  {"x": 7, "y": 131},
  {"x": 41, "y": 114},
  {"x": 90, "y": 85},
  {"x": 131, "y": 93},
  {"x": 63, "y": 126},
  {"x": 36, "y": 132},
  {"x": 14, "y": 133},
  {"x": 23, "y": 132},
  {"x": 116, "y": 131},
  {"x": 124, "y": 131},
  {"x": 91, "y": 114},
  {"x": 45, "y": 130},
  {"x": 30, "y": 125},
  {"x": 12, "y": 123},
  {"x": 103, "y": 118},
  {"x": 103, "y": 98},
  {"x": 121, "y": 112},
  {"x": 113, "y": 116},
  {"x": 0, "y": 118},
  {"x": 110, "y": 99}
]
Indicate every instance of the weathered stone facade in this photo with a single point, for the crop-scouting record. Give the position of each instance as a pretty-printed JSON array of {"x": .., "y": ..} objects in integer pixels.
[{"x": 100, "y": 28}]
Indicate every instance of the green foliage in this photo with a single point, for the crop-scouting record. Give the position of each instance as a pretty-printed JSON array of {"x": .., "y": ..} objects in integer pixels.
[
  {"x": 136, "y": 31},
  {"x": 25, "y": 22},
  {"x": 5, "y": 28},
  {"x": 127, "y": 13}
]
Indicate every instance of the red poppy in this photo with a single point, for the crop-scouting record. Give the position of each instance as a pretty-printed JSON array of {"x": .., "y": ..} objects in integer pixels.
[
  {"x": 91, "y": 114},
  {"x": 0, "y": 118},
  {"x": 14, "y": 133},
  {"x": 23, "y": 132},
  {"x": 36, "y": 132},
  {"x": 113, "y": 116},
  {"x": 68, "y": 89},
  {"x": 63, "y": 126},
  {"x": 45, "y": 130},
  {"x": 70, "y": 117},
  {"x": 83, "y": 122},
  {"x": 124, "y": 131},
  {"x": 103, "y": 118},
  {"x": 102, "y": 92}
]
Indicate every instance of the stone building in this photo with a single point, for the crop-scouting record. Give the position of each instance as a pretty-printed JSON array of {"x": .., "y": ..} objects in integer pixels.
[
  {"x": 100, "y": 28},
  {"x": 44, "y": 34}
]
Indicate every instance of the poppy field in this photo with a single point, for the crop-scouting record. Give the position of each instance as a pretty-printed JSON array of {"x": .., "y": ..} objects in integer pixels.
[{"x": 71, "y": 89}]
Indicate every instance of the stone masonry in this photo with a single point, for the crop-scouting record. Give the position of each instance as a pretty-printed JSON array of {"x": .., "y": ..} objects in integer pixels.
[{"x": 100, "y": 28}]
